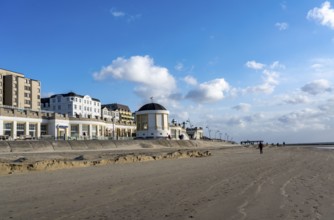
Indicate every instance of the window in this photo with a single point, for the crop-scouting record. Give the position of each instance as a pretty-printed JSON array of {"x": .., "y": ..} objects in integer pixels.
[
  {"x": 74, "y": 130},
  {"x": 7, "y": 128},
  {"x": 44, "y": 129},
  {"x": 58, "y": 98},
  {"x": 85, "y": 130},
  {"x": 69, "y": 106},
  {"x": 32, "y": 130},
  {"x": 158, "y": 122},
  {"x": 94, "y": 130},
  {"x": 75, "y": 106},
  {"x": 142, "y": 122},
  {"x": 59, "y": 107},
  {"x": 20, "y": 129}
]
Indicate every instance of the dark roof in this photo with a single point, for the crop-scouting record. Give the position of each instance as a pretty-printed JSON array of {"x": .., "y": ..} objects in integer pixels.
[
  {"x": 116, "y": 106},
  {"x": 45, "y": 100},
  {"x": 152, "y": 106},
  {"x": 72, "y": 94}
]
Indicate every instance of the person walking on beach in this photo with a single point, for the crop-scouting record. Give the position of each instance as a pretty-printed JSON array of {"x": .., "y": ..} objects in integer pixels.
[{"x": 261, "y": 147}]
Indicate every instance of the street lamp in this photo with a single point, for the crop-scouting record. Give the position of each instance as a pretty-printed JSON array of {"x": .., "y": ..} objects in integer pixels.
[
  {"x": 216, "y": 134},
  {"x": 209, "y": 131},
  {"x": 189, "y": 123}
]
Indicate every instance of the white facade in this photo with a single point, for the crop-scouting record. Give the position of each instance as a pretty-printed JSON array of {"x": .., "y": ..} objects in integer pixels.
[
  {"x": 110, "y": 115},
  {"x": 21, "y": 124},
  {"x": 73, "y": 105},
  {"x": 152, "y": 124}
]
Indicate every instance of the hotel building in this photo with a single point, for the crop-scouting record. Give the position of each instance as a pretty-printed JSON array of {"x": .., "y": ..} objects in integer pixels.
[
  {"x": 73, "y": 105},
  {"x": 125, "y": 114},
  {"x": 18, "y": 91}
]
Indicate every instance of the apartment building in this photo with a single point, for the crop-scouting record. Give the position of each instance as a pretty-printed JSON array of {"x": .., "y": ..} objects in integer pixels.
[
  {"x": 18, "y": 91},
  {"x": 125, "y": 114},
  {"x": 74, "y": 105}
]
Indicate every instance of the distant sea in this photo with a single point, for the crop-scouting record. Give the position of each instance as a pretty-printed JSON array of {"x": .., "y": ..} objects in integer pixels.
[{"x": 320, "y": 145}]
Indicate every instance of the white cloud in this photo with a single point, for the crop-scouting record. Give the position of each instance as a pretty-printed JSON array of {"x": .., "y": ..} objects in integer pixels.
[
  {"x": 317, "y": 87},
  {"x": 282, "y": 26},
  {"x": 323, "y": 15},
  {"x": 114, "y": 12},
  {"x": 328, "y": 108},
  {"x": 254, "y": 65},
  {"x": 190, "y": 80},
  {"x": 295, "y": 99},
  {"x": 210, "y": 91},
  {"x": 151, "y": 80},
  {"x": 131, "y": 18},
  {"x": 277, "y": 65},
  {"x": 316, "y": 66},
  {"x": 270, "y": 81},
  {"x": 242, "y": 107},
  {"x": 284, "y": 5},
  {"x": 303, "y": 119},
  {"x": 120, "y": 14},
  {"x": 323, "y": 67},
  {"x": 179, "y": 66}
]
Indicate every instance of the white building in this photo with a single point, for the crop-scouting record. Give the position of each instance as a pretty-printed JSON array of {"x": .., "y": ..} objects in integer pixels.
[
  {"x": 73, "y": 105},
  {"x": 18, "y": 123},
  {"x": 109, "y": 114},
  {"x": 152, "y": 121}
]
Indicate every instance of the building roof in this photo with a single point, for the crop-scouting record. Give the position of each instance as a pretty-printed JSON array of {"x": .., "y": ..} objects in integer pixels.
[
  {"x": 116, "y": 106},
  {"x": 152, "y": 106},
  {"x": 71, "y": 94},
  {"x": 45, "y": 100},
  {"x": 10, "y": 72}
]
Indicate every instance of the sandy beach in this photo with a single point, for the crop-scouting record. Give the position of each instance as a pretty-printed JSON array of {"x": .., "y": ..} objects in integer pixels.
[{"x": 232, "y": 183}]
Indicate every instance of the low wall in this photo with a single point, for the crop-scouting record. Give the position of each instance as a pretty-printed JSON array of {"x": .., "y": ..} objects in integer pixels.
[{"x": 62, "y": 145}]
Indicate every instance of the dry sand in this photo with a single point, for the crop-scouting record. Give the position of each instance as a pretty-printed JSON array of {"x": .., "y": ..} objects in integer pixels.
[{"x": 234, "y": 183}]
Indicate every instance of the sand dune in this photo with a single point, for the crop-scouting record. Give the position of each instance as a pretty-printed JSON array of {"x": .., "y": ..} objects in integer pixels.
[{"x": 234, "y": 183}]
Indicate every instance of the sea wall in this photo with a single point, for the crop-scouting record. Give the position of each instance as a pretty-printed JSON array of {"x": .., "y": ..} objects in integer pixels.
[{"x": 88, "y": 145}]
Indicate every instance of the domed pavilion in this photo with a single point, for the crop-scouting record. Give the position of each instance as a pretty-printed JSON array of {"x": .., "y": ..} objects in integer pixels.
[{"x": 152, "y": 121}]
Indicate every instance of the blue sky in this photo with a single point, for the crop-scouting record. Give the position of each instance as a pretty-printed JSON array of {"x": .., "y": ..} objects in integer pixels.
[{"x": 248, "y": 69}]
